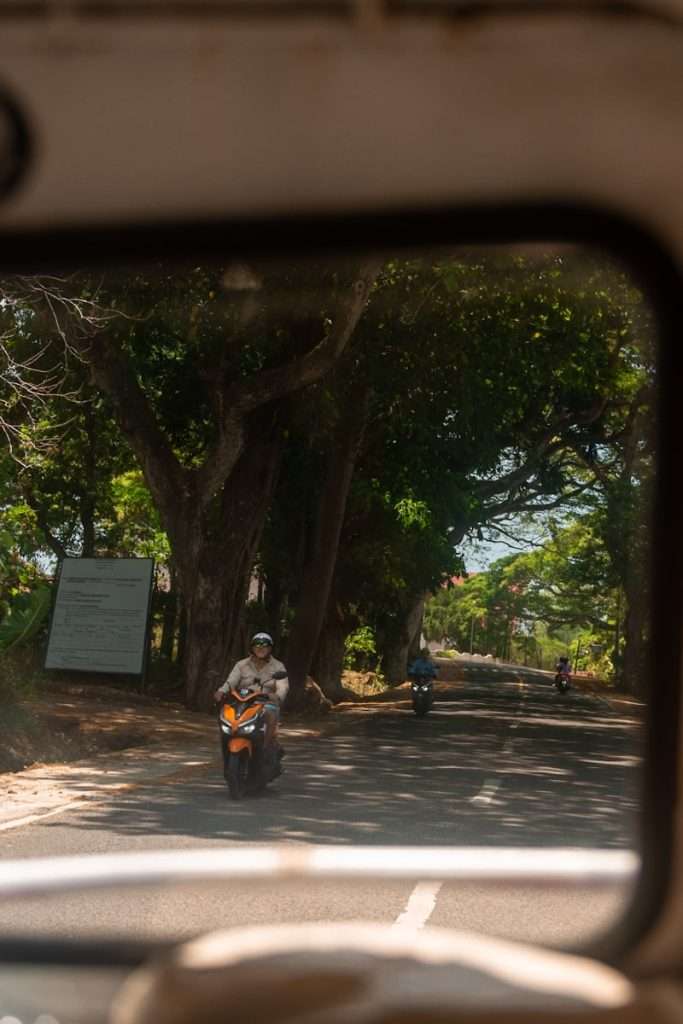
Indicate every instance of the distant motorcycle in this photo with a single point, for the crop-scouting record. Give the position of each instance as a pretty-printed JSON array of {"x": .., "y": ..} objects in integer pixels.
[
  {"x": 249, "y": 762},
  {"x": 562, "y": 680},
  {"x": 422, "y": 688}
]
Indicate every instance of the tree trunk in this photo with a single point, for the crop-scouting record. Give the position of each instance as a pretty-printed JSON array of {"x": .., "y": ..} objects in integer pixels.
[
  {"x": 273, "y": 599},
  {"x": 328, "y": 664},
  {"x": 182, "y": 633},
  {"x": 416, "y": 642},
  {"x": 215, "y": 562},
  {"x": 633, "y": 668},
  {"x": 52, "y": 541},
  {"x": 238, "y": 474},
  {"x": 398, "y": 642},
  {"x": 87, "y": 511},
  {"x": 87, "y": 502},
  {"x": 316, "y": 581},
  {"x": 170, "y": 617},
  {"x": 213, "y": 611}
]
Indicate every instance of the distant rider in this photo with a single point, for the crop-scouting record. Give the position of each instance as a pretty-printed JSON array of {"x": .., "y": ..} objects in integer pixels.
[
  {"x": 423, "y": 666},
  {"x": 256, "y": 673},
  {"x": 562, "y": 666}
]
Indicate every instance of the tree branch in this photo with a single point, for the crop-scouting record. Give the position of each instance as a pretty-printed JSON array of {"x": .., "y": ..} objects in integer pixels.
[
  {"x": 282, "y": 380},
  {"x": 545, "y": 448},
  {"x": 221, "y": 457},
  {"x": 113, "y": 374},
  {"x": 269, "y": 385},
  {"x": 53, "y": 542},
  {"x": 523, "y": 504},
  {"x": 513, "y": 540}
]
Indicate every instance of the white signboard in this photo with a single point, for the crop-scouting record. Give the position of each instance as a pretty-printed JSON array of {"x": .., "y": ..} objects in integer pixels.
[{"x": 100, "y": 616}]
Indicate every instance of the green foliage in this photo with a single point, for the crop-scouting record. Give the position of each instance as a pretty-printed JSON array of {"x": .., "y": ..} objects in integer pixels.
[
  {"x": 412, "y": 513},
  {"x": 492, "y": 380},
  {"x": 535, "y": 606},
  {"x": 22, "y": 586},
  {"x": 360, "y": 651},
  {"x": 25, "y": 619},
  {"x": 446, "y": 616},
  {"x": 134, "y": 528},
  {"x": 497, "y": 385}
]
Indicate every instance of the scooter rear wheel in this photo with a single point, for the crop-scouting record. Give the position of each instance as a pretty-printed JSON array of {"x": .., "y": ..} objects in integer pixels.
[{"x": 237, "y": 774}]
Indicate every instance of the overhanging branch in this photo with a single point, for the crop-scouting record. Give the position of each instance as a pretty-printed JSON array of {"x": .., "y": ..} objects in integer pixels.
[
  {"x": 279, "y": 381},
  {"x": 113, "y": 374},
  {"x": 270, "y": 385}
]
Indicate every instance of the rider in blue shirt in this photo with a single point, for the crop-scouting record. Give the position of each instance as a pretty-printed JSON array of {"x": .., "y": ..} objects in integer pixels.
[{"x": 423, "y": 666}]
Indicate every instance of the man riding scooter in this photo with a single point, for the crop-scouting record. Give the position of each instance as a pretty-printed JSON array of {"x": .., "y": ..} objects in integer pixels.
[
  {"x": 422, "y": 673},
  {"x": 562, "y": 674},
  {"x": 261, "y": 673}
]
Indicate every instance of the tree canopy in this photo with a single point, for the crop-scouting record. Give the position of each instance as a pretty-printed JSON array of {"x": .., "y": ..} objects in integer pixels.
[{"x": 310, "y": 445}]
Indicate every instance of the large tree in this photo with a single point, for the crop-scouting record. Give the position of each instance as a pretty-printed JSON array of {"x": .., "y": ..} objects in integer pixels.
[
  {"x": 62, "y": 446},
  {"x": 471, "y": 388},
  {"x": 231, "y": 349},
  {"x": 491, "y": 379}
]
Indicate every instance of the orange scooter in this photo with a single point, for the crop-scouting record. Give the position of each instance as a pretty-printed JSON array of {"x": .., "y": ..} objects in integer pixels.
[{"x": 251, "y": 757}]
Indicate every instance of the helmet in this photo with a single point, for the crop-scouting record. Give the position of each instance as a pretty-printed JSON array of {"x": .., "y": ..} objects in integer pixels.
[{"x": 261, "y": 640}]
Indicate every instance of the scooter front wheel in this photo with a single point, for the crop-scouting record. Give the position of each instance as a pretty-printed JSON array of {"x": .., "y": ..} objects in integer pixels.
[{"x": 237, "y": 773}]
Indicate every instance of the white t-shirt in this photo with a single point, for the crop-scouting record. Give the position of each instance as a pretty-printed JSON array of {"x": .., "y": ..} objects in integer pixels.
[{"x": 246, "y": 672}]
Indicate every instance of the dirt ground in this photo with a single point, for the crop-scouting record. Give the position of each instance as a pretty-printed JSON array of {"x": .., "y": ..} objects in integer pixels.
[
  {"x": 74, "y": 721},
  {"x": 70, "y": 721}
]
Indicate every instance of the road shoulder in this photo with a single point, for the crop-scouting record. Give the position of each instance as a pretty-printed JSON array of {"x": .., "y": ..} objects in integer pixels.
[{"x": 115, "y": 741}]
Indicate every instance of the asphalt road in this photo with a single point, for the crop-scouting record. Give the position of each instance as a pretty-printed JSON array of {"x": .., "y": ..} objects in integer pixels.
[{"x": 502, "y": 760}]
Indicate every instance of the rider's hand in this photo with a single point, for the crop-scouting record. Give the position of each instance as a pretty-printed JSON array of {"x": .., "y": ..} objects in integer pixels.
[{"x": 218, "y": 695}]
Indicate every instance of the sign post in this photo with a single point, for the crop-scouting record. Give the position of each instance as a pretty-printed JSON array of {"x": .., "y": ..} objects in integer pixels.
[{"x": 100, "y": 620}]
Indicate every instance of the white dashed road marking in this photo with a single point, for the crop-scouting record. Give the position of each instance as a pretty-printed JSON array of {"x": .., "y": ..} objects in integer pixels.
[
  {"x": 487, "y": 792},
  {"x": 420, "y": 906}
]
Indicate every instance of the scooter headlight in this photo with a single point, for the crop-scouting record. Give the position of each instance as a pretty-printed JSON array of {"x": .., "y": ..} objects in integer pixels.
[
  {"x": 425, "y": 686},
  {"x": 247, "y": 728}
]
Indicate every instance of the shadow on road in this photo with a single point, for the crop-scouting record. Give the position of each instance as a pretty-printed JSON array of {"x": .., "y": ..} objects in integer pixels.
[{"x": 514, "y": 765}]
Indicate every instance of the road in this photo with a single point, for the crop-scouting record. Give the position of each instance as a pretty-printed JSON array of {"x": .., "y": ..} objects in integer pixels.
[{"x": 502, "y": 760}]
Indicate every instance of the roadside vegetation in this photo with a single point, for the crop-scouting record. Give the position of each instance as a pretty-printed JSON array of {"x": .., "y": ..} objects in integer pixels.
[
  {"x": 567, "y": 596},
  {"x": 307, "y": 449}
]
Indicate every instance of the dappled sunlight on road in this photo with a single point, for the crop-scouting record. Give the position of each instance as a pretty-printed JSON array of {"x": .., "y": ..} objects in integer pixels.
[
  {"x": 498, "y": 763},
  {"x": 501, "y": 770}
]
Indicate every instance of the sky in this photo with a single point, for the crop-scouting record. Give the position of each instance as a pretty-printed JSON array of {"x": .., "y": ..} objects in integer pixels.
[{"x": 479, "y": 556}]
